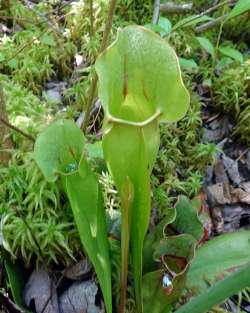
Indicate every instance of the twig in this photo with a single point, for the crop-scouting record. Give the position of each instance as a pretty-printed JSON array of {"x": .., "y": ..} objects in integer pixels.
[
  {"x": 60, "y": 8},
  {"x": 171, "y": 7},
  {"x": 18, "y": 130},
  {"x": 5, "y": 140},
  {"x": 104, "y": 43},
  {"x": 156, "y": 12},
  {"x": 91, "y": 16},
  {"x": 210, "y": 10},
  {"x": 219, "y": 36},
  {"x": 206, "y": 26}
]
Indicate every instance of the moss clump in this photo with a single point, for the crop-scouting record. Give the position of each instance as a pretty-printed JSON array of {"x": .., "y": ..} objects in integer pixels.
[
  {"x": 36, "y": 219},
  {"x": 231, "y": 93}
]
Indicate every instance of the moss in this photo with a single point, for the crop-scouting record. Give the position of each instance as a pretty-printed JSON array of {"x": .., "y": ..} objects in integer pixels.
[{"x": 231, "y": 93}]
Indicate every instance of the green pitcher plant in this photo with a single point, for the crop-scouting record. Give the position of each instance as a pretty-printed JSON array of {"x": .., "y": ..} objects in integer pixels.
[
  {"x": 140, "y": 86},
  {"x": 60, "y": 151}
]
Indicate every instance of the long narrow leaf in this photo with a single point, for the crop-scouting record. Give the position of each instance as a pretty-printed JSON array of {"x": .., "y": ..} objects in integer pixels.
[
  {"x": 218, "y": 292},
  {"x": 59, "y": 150}
]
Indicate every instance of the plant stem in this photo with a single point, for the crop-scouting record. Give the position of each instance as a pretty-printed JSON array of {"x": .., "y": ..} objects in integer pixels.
[
  {"x": 18, "y": 130},
  {"x": 127, "y": 196},
  {"x": 156, "y": 12},
  {"x": 104, "y": 43},
  {"x": 206, "y": 26},
  {"x": 219, "y": 37},
  {"x": 5, "y": 140},
  {"x": 125, "y": 238},
  {"x": 91, "y": 17}
]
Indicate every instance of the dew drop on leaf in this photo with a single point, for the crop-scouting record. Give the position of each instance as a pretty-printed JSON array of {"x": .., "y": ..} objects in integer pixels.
[{"x": 71, "y": 167}]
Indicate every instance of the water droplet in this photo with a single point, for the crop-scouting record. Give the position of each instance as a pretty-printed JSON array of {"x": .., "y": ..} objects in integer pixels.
[
  {"x": 71, "y": 167},
  {"x": 167, "y": 283}
]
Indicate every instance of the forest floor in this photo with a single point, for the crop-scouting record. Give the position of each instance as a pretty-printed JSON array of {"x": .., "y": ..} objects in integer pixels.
[{"x": 47, "y": 55}]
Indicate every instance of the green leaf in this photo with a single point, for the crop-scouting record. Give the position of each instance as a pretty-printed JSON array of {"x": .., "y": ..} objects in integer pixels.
[
  {"x": 86, "y": 201},
  {"x": 59, "y": 149},
  {"x": 192, "y": 21},
  {"x": 187, "y": 221},
  {"x": 216, "y": 294},
  {"x": 206, "y": 45},
  {"x": 232, "y": 53},
  {"x": 163, "y": 27},
  {"x": 16, "y": 281},
  {"x": 177, "y": 252},
  {"x": 153, "y": 238},
  {"x": 145, "y": 81},
  {"x": 223, "y": 63},
  {"x": 144, "y": 88},
  {"x": 218, "y": 257},
  {"x": 241, "y": 7},
  {"x": 60, "y": 145},
  {"x": 188, "y": 63},
  {"x": 166, "y": 26}
]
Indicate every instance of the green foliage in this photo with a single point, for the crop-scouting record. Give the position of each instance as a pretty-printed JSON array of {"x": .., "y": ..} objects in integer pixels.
[
  {"x": 241, "y": 6},
  {"x": 216, "y": 258},
  {"x": 207, "y": 45},
  {"x": 64, "y": 155},
  {"x": 133, "y": 12},
  {"x": 168, "y": 250},
  {"x": 191, "y": 274},
  {"x": 16, "y": 281},
  {"x": 78, "y": 24},
  {"x": 133, "y": 101},
  {"x": 35, "y": 222},
  {"x": 25, "y": 110},
  {"x": 181, "y": 160},
  {"x": 231, "y": 89},
  {"x": 219, "y": 292},
  {"x": 36, "y": 219},
  {"x": 29, "y": 55}
]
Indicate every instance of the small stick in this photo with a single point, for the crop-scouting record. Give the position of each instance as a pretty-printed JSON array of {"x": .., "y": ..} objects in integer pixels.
[
  {"x": 91, "y": 16},
  {"x": 210, "y": 10},
  {"x": 103, "y": 46},
  {"x": 18, "y": 130},
  {"x": 156, "y": 11},
  {"x": 206, "y": 26},
  {"x": 171, "y": 7}
]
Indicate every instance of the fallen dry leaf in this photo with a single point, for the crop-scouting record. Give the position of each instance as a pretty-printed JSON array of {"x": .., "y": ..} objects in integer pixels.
[
  {"x": 80, "y": 297},
  {"x": 41, "y": 288}
]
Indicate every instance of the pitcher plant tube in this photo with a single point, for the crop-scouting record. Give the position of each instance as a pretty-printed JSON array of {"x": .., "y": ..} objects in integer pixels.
[{"x": 140, "y": 85}]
